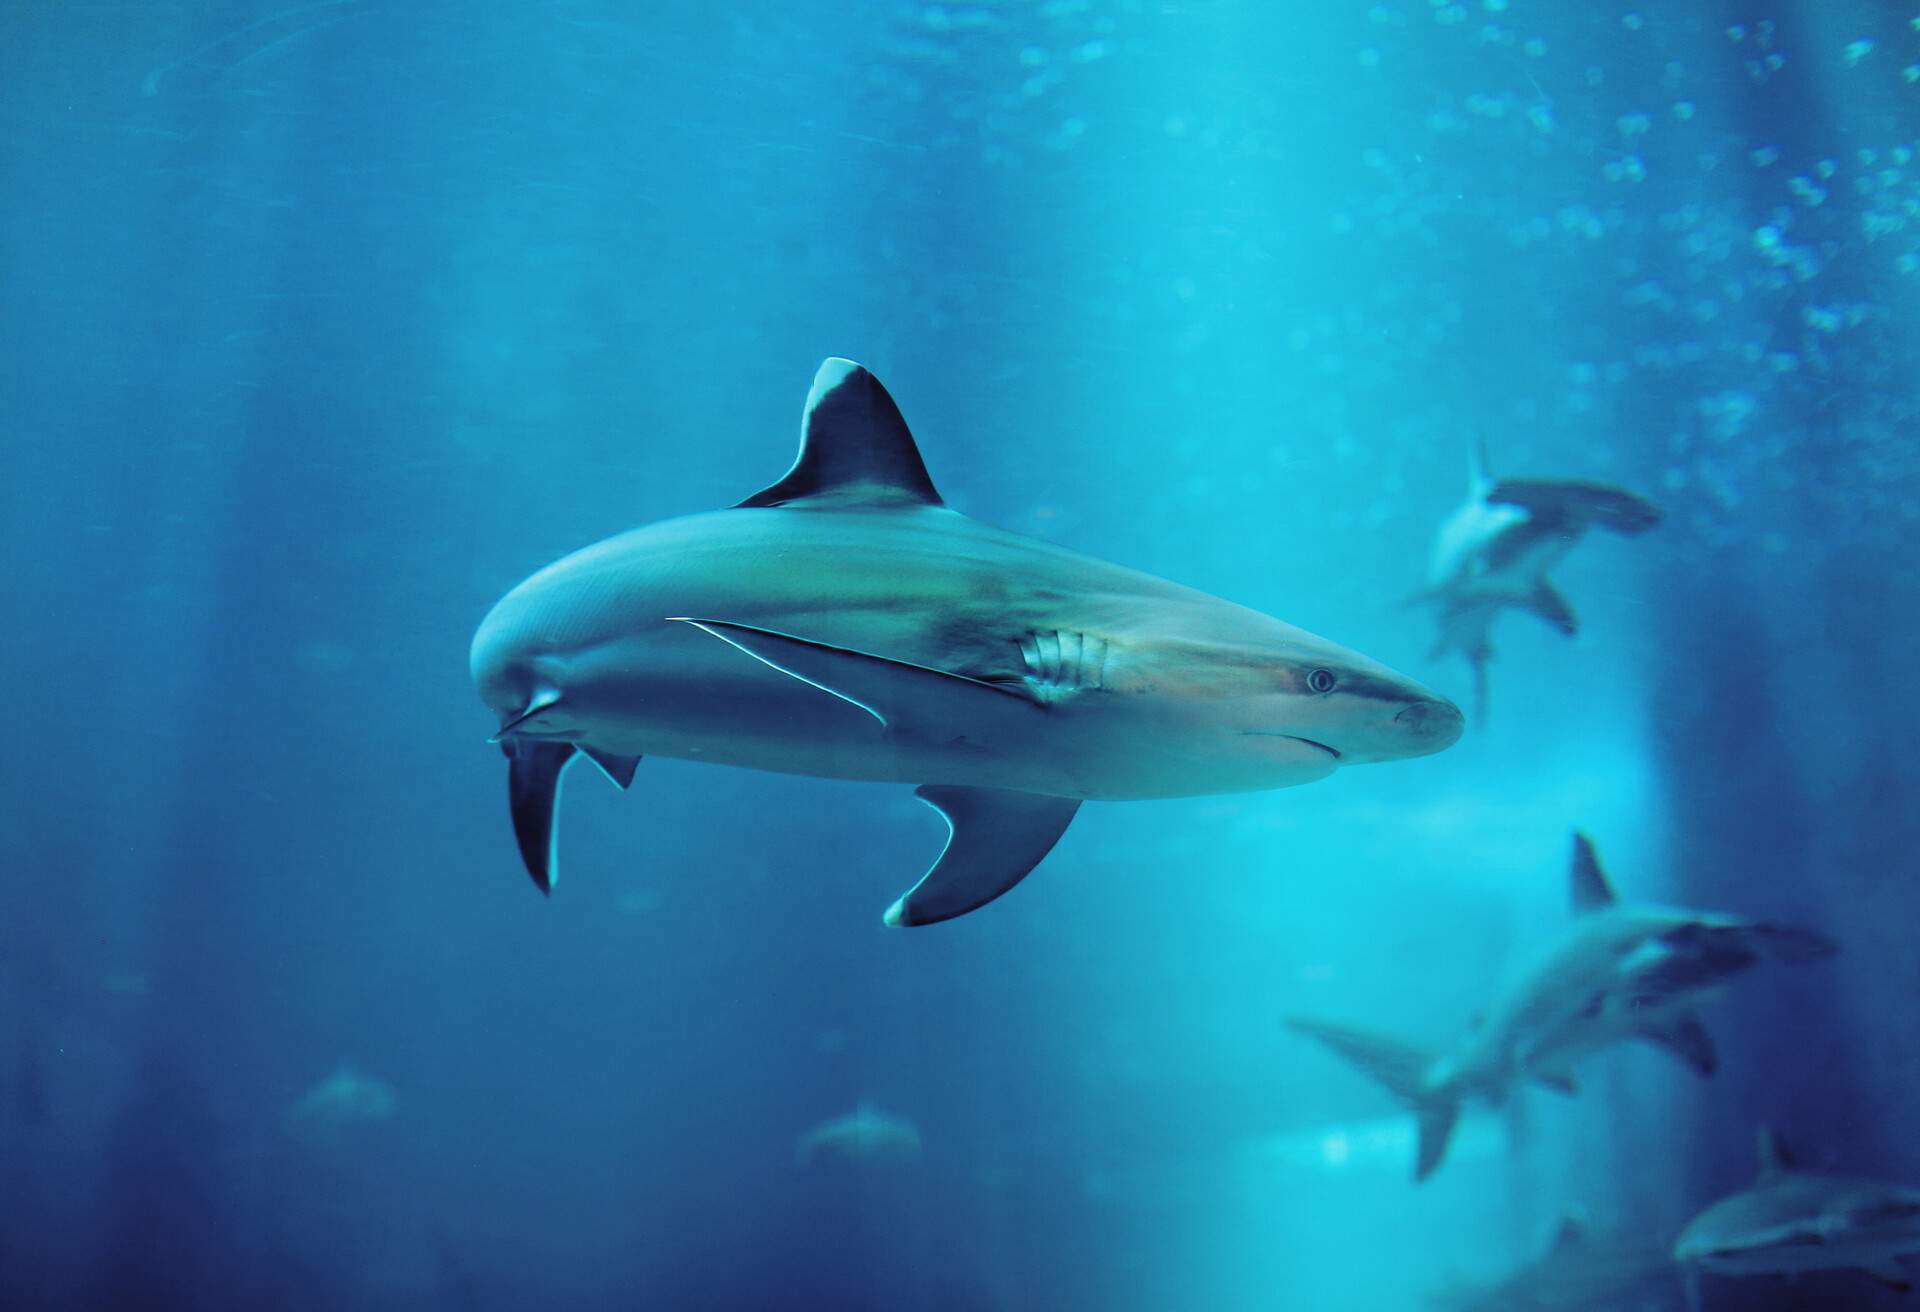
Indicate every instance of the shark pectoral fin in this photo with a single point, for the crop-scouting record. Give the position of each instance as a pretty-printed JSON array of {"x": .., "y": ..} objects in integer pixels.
[
  {"x": 1890, "y": 1274},
  {"x": 534, "y": 769},
  {"x": 1546, "y": 603},
  {"x": 891, "y": 691},
  {"x": 997, "y": 837},
  {"x": 1578, "y": 504},
  {"x": 1686, "y": 1038},
  {"x": 617, "y": 768}
]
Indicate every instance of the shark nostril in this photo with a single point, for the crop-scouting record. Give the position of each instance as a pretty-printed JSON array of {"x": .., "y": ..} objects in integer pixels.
[{"x": 1431, "y": 719}]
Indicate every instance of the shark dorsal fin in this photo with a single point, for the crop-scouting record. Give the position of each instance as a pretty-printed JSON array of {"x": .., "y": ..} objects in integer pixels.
[
  {"x": 1591, "y": 891},
  {"x": 1478, "y": 480},
  {"x": 855, "y": 449},
  {"x": 1571, "y": 1234},
  {"x": 1776, "y": 1158}
]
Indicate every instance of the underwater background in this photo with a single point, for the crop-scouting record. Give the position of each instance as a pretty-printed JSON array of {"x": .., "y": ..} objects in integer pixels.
[{"x": 322, "y": 325}]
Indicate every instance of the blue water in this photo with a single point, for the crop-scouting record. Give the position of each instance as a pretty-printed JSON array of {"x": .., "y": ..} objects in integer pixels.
[{"x": 322, "y": 325}]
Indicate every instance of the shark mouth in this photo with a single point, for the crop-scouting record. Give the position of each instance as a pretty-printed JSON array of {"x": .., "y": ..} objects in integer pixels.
[{"x": 1262, "y": 733}]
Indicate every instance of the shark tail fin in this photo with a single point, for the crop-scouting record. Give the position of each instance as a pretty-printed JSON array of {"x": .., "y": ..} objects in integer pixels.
[{"x": 1403, "y": 1070}]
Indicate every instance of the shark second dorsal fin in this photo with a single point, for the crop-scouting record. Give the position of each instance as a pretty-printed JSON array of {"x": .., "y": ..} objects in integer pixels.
[
  {"x": 1776, "y": 1158},
  {"x": 855, "y": 449},
  {"x": 1591, "y": 891}
]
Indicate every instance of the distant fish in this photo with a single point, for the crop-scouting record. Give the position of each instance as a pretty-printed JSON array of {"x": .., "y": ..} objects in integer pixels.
[
  {"x": 1580, "y": 1271},
  {"x": 1793, "y": 1221},
  {"x": 345, "y": 1098},
  {"x": 866, "y": 1136},
  {"x": 845, "y": 623},
  {"x": 1620, "y": 972},
  {"x": 1493, "y": 554}
]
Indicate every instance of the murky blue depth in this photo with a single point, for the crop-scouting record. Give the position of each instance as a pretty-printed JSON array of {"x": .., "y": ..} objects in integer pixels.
[{"x": 323, "y": 325}]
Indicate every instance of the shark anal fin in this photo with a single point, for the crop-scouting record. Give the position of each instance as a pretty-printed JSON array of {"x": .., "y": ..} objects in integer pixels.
[
  {"x": 1436, "y": 1129},
  {"x": 902, "y": 696},
  {"x": 617, "y": 768},
  {"x": 534, "y": 770},
  {"x": 1686, "y": 1038},
  {"x": 1776, "y": 1158},
  {"x": 997, "y": 837},
  {"x": 855, "y": 449},
  {"x": 1591, "y": 889}
]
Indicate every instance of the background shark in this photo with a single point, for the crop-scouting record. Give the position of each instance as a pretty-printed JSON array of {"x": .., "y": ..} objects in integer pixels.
[
  {"x": 845, "y": 623},
  {"x": 348, "y": 1096},
  {"x": 1792, "y": 1221},
  {"x": 1620, "y": 972},
  {"x": 1493, "y": 554},
  {"x": 1580, "y": 1271},
  {"x": 865, "y": 1136}
]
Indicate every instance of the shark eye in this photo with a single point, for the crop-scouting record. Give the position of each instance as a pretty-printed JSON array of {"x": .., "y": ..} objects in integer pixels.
[{"x": 1321, "y": 681}]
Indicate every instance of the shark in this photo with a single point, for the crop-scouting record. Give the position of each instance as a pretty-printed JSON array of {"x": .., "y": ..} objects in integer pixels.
[
  {"x": 1493, "y": 554},
  {"x": 866, "y": 1135},
  {"x": 348, "y": 1096},
  {"x": 1792, "y": 1221},
  {"x": 844, "y": 622},
  {"x": 1620, "y": 972},
  {"x": 1581, "y": 1270}
]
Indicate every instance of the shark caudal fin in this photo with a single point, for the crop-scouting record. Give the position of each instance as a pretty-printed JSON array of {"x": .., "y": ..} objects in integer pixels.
[{"x": 1402, "y": 1070}]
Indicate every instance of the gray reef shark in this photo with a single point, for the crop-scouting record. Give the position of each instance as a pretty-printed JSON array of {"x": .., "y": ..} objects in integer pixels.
[
  {"x": 845, "y": 623},
  {"x": 1793, "y": 1221},
  {"x": 1493, "y": 554},
  {"x": 1580, "y": 1271},
  {"x": 866, "y": 1136},
  {"x": 1620, "y": 972}
]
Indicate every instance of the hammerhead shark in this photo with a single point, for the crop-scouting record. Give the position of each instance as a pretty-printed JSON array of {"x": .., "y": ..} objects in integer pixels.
[
  {"x": 1620, "y": 972},
  {"x": 845, "y": 623},
  {"x": 1493, "y": 554},
  {"x": 1792, "y": 1221}
]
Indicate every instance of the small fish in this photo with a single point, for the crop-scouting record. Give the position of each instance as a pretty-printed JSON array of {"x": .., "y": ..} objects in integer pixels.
[
  {"x": 865, "y": 1136},
  {"x": 1493, "y": 554},
  {"x": 1620, "y": 972},
  {"x": 844, "y": 623},
  {"x": 1792, "y": 1221}
]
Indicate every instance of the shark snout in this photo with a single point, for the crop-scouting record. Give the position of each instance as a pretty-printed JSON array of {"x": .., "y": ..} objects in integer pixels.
[{"x": 1434, "y": 722}]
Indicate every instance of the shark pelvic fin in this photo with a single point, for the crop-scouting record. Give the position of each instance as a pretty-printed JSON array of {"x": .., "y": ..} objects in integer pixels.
[
  {"x": 1591, "y": 891},
  {"x": 1686, "y": 1038},
  {"x": 1547, "y": 603},
  {"x": 617, "y": 768},
  {"x": 995, "y": 837},
  {"x": 534, "y": 770},
  {"x": 540, "y": 701},
  {"x": 903, "y": 697},
  {"x": 855, "y": 449}
]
